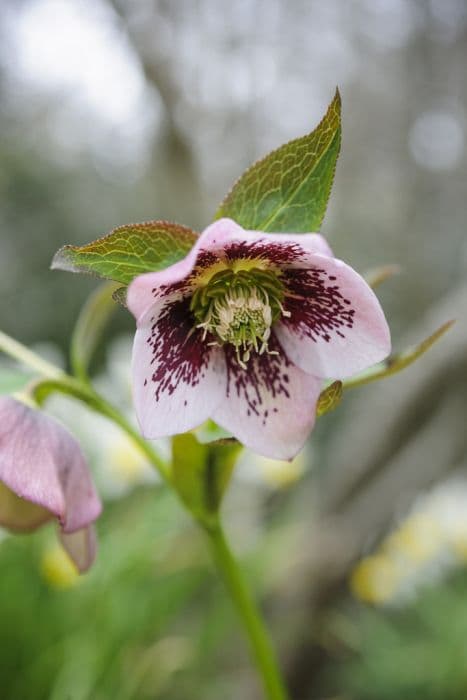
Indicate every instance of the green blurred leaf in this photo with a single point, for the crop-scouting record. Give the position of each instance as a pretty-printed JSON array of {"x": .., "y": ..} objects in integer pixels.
[
  {"x": 329, "y": 398},
  {"x": 128, "y": 251},
  {"x": 89, "y": 327},
  {"x": 398, "y": 362},
  {"x": 12, "y": 380},
  {"x": 201, "y": 472},
  {"x": 223, "y": 457},
  {"x": 288, "y": 190},
  {"x": 189, "y": 459}
]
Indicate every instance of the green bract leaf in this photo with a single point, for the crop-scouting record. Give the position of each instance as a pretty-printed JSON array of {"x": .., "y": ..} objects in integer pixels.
[
  {"x": 201, "y": 472},
  {"x": 329, "y": 398},
  {"x": 398, "y": 362},
  {"x": 120, "y": 296},
  {"x": 288, "y": 190},
  {"x": 89, "y": 327},
  {"x": 128, "y": 251}
]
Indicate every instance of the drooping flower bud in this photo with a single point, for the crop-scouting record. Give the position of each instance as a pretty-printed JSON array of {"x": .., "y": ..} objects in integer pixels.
[{"x": 44, "y": 475}]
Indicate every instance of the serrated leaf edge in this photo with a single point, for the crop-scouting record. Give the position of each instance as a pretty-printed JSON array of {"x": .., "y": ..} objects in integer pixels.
[{"x": 337, "y": 102}]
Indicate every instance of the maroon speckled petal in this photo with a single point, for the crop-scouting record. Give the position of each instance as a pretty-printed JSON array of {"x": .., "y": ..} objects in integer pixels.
[
  {"x": 224, "y": 240},
  {"x": 178, "y": 377},
  {"x": 270, "y": 406},
  {"x": 336, "y": 325}
]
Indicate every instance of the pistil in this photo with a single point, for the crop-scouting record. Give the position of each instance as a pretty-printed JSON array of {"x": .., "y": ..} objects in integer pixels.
[{"x": 239, "y": 308}]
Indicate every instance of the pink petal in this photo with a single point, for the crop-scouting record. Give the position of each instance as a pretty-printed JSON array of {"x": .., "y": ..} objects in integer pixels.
[
  {"x": 270, "y": 406},
  {"x": 81, "y": 547},
  {"x": 83, "y": 505},
  {"x": 278, "y": 249},
  {"x": 42, "y": 463},
  {"x": 178, "y": 379},
  {"x": 223, "y": 240},
  {"x": 308, "y": 242},
  {"x": 337, "y": 327}
]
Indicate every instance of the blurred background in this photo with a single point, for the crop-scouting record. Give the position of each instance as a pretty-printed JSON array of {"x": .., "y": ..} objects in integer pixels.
[{"x": 114, "y": 111}]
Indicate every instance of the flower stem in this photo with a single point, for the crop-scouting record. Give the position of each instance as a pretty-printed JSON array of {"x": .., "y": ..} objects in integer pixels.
[
  {"x": 20, "y": 352},
  {"x": 262, "y": 651}
]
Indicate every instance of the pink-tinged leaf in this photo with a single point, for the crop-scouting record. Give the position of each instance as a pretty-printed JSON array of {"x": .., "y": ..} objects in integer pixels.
[
  {"x": 288, "y": 190},
  {"x": 398, "y": 362},
  {"x": 329, "y": 398},
  {"x": 128, "y": 251}
]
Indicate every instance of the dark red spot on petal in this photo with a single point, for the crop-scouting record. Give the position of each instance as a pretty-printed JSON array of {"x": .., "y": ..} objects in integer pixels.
[
  {"x": 179, "y": 355},
  {"x": 260, "y": 381},
  {"x": 275, "y": 253},
  {"x": 317, "y": 309}
]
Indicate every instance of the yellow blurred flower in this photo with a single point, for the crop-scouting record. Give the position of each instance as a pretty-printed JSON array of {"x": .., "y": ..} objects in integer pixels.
[
  {"x": 418, "y": 539},
  {"x": 375, "y": 579},
  {"x": 126, "y": 461},
  {"x": 279, "y": 474},
  {"x": 429, "y": 543},
  {"x": 57, "y": 569}
]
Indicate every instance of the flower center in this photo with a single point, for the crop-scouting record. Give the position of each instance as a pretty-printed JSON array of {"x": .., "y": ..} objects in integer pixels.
[{"x": 239, "y": 308}]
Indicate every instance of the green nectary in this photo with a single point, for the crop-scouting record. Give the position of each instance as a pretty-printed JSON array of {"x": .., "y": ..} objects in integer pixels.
[{"x": 239, "y": 307}]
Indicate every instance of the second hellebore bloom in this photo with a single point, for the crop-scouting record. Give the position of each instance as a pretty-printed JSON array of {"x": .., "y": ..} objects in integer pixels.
[
  {"x": 244, "y": 330},
  {"x": 43, "y": 474}
]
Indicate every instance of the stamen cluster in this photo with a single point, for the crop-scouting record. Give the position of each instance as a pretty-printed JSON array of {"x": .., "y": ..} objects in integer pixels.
[{"x": 239, "y": 307}]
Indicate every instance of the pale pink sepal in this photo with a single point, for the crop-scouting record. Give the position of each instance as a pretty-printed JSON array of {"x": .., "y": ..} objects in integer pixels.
[
  {"x": 81, "y": 546},
  {"x": 177, "y": 379},
  {"x": 348, "y": 350},
  {"x": 41, "y": 463},
  {"x": 271, "y": 406}
]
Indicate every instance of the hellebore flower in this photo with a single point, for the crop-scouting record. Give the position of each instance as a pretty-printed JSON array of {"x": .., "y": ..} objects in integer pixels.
[
  {"x": 243, "y": 330},
  {"x": 43, "y": 474}
]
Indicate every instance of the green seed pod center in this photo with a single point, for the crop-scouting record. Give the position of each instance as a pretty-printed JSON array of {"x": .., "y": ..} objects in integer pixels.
[{"x": 239, "y": 307}]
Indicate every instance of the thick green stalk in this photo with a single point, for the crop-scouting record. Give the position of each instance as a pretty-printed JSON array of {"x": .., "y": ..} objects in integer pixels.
[{"x": 261, "y": 648}]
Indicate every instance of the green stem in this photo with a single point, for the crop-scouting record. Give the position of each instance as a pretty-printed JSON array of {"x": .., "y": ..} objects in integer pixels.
[
  {"x": 21, "y": 353},
  {"x": 262, "y": 651}
]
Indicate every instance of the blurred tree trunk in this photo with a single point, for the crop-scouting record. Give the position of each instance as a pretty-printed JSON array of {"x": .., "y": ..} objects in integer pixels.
[
  {"x": 402, "y": 436},
  {"x": 174, "y": 171}
]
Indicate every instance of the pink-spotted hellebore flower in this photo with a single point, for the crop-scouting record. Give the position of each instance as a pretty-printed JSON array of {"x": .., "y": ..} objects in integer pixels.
[
  {"x": 243, "y": 330},
  {"x": 43, "y": 474}
]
